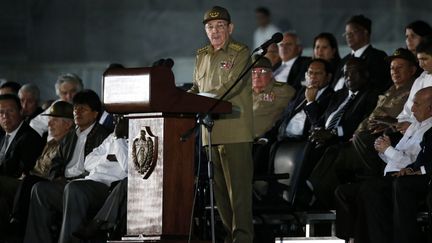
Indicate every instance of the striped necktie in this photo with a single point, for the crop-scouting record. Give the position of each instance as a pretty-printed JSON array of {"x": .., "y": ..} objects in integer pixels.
[{"x": 338, "y": 115}]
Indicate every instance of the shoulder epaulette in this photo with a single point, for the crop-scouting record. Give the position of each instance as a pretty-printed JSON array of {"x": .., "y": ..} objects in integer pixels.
[
  {"x": 236, "y": 46},
  {"x": 279, "y": 84},
  {"x": 203, "y": 49}
]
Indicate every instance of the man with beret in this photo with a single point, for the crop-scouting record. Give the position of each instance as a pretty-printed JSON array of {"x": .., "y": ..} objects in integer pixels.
[
  {"x": 60, "y": 123},
  {"x": 269, "y": 97},
  {"x": 358, "y": 31},
  {"x": 218, "y": 65},
  {"x": 68, "y": 164}
]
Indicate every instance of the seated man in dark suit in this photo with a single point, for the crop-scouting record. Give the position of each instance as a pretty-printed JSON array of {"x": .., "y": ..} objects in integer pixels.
[
  {"x": 358, "y": 31},
  {"x": 385, "y": 209},
  {"x": 20, "y": 146},
  {"x": 294, "y": 123},
  {"x": 47, "y": 196},
  {"x": 293, "y": 66},
  {"x": 357, "y": 159},
  {"x": 346, "y": 110}
]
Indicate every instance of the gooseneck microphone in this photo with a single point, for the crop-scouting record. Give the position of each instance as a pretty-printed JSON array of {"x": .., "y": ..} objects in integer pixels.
[{"x": 276, "y": 38}]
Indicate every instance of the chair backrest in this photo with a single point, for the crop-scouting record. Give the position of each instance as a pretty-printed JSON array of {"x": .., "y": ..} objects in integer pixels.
[{"x": 289, "y": 158}]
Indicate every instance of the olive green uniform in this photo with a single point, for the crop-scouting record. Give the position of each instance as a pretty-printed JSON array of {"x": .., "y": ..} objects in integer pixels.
[
  {"x": 215, "y": 72},
  {"x": 269, "y": 104}
]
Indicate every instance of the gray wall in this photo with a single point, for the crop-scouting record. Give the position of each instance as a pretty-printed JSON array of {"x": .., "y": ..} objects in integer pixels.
[{"x": 39, "y": 39}]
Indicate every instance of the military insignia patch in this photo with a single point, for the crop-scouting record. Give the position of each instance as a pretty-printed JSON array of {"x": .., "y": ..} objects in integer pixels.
[
  {"x": 269, "y": 97},
  {"x": 144, "y": 152},
  {"x": 226, "y": 65}
]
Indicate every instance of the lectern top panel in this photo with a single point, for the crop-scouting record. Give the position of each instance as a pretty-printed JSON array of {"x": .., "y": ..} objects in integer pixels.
[{"x": 124, "y": 89}]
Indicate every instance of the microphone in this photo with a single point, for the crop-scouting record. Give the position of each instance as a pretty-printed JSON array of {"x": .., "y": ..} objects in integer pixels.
[{"x": 276, "y": 38}]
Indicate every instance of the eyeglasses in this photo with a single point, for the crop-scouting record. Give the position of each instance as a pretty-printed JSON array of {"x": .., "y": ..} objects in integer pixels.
[
  {"x": 260, "y": 72},
  {"x": 311, "y": 73},
  {"x": 218, "y": 26}
]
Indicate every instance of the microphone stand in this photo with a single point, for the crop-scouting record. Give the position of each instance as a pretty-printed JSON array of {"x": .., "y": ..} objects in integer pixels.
[{"x": 207, "y": 122}]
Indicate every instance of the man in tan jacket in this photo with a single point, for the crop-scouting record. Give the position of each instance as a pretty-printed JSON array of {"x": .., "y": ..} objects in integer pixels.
[{"x": 217, "y": 67}]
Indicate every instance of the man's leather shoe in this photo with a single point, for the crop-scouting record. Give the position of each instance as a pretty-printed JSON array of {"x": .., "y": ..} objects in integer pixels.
[{"x": 94, "y": 230}]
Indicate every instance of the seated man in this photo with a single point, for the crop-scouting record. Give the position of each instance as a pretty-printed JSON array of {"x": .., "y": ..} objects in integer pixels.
[
  {"x": 60, "y": 123},
  {"x": 29, "y": 96},
  {"x": 365, "y": 210},
  {"x": 347, "y": 109},
  {"x": 269, "y": 97},
  {"x": 294, "y": 123},
  {"x": 20, "y": 146},
  {"x": 47, "y": 196},
  {"x": 357, "y": 158},
  {"x": 424, "y": 55},
  {"x": 106, "y": 164}
]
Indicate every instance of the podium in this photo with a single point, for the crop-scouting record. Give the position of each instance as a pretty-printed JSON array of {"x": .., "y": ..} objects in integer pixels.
[{"x": 160, "y": 165}]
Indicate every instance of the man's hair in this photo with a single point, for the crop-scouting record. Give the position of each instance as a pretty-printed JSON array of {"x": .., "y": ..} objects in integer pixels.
[
  {"x": 425, "y": 45},
  {"x": 68, "y": 78},
  {"x": 12, "y": 97},
  {"x": 293, "y": 34},
  {"x": 263, "y": 10},
  {"x": 331, "y": 40},
  {"x": 32, "y": 89},
  {"x": 362, "y": 21},
  {"x": 11, "y": 85},
  {"x": 90, "y": 98},
  {"x": 327, "y": 66}
]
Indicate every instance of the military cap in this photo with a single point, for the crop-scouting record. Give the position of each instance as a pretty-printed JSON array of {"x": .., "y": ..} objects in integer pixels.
[
  {"x": 362, "y": 21},
  {"x": 61, "y": 109},
  {"x": 216, "y": 12},
  {"x": 263, "y": 62},
  {"x": 404, "y": 54}
]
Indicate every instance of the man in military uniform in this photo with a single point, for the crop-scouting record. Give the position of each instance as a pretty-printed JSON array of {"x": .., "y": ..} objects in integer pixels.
[
  {"x": 269, "y": 97},
  {"x": 217, "y": 67}
]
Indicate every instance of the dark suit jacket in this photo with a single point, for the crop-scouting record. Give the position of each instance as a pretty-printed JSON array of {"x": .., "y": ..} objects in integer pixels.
[
  {"x": 363, "y": 104},
  {"x": 313, "y": 112},
  {"x": 67, "y": 147},
  {"x": 22, "y": 153},
  {"x": 379, "y": 68},
  {"x": 424, "y": 158},
  {"x": 297, "y": 71}
]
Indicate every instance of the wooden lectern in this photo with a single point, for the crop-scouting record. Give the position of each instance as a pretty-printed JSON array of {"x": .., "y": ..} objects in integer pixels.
[{"x": 161, "y": 167}]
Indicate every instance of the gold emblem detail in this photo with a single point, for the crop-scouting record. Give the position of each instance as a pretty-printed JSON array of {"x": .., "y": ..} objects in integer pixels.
[
  {"x": 214, "y": 14},
  {"x": 144, "y": 152}
]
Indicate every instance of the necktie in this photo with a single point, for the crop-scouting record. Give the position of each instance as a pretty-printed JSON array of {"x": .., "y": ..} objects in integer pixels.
[
  {"x": 338, "y": 115},
  {"x": 4, "y": 147}
]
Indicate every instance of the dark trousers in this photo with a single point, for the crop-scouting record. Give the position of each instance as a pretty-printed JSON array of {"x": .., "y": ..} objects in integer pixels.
[
  {"x": 354, "y": 161},
  {"x": 8, "y": 187},
  {"x": 22, "y": 198},
  {"x": 81, "y": 200},
  {"x": 114, "y": 208},
  {"x": 46, "y": 200}
]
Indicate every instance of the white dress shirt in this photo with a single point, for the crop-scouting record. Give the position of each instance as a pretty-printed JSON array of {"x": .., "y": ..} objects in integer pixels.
[
  {"x": 341, "y": 82},
  {"x": 423, "y": 81},
  {"x": 75, "y": 167},
  {"x": 12, "y": 136},
  {"x": 100, "y": 168},
  {"x": 407, "y": 149},
  {"x": 281, "y": 74}
]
